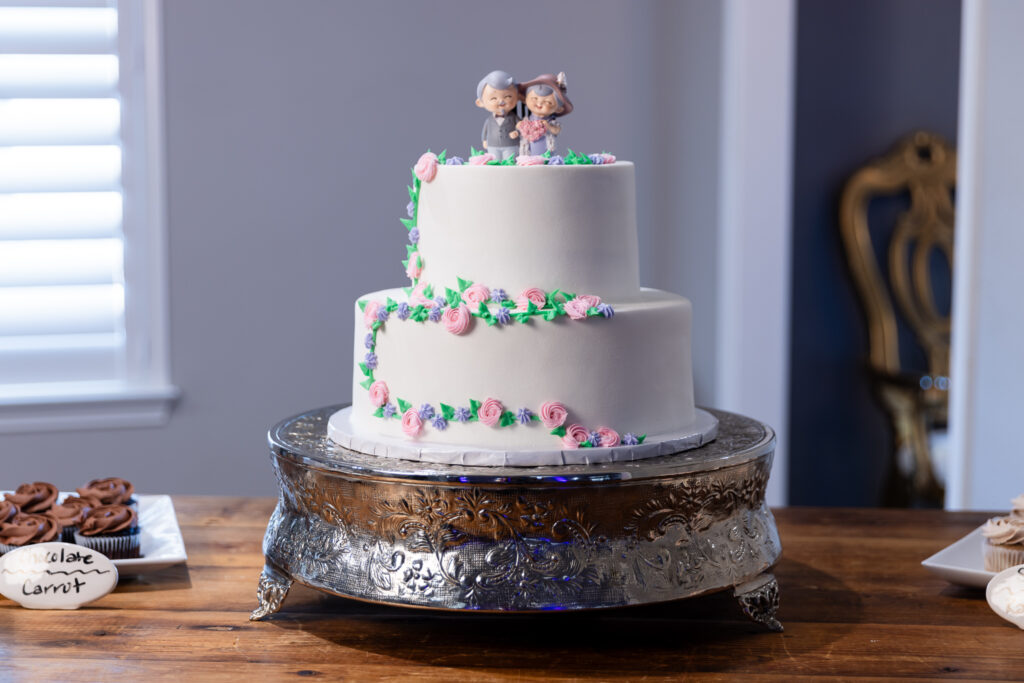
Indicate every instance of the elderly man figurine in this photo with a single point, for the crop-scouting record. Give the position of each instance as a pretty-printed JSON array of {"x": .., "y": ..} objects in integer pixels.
[{"x": 498, "y": 93}]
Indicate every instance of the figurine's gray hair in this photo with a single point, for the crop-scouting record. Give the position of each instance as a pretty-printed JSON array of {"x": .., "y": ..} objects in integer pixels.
[
  {"x": 499, "y": 80},
  {"x": 545, "y": 90}
]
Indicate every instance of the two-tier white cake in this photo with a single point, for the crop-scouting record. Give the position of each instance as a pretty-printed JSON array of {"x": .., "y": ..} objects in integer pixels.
[{"x": 526, "y": 338}]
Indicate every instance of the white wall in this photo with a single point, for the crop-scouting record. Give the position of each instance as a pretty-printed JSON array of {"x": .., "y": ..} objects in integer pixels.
[
  {"x": 290, "y": 132},
  {"x": 987, "y": 364}
]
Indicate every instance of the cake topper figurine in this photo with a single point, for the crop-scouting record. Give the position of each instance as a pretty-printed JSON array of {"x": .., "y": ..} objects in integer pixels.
[
  {"x": 498, "y": 93},
  {"x": 546, "y": 100}
]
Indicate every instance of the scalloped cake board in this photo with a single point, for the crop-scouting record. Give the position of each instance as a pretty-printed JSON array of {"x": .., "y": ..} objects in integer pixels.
[{"x": 702, "y": 430}]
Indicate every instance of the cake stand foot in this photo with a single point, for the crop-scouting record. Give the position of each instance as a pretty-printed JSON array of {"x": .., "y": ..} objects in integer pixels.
[
  {"x": 759, "y": 599},
  {"x": 273, "y": 588}
]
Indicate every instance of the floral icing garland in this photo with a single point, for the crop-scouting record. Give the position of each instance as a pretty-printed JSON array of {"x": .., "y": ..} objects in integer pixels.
[{"x": 457, "y": 309}]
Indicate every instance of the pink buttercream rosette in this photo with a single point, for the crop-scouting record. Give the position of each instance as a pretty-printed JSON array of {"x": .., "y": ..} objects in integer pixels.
[
  {"x": 531, "y": 294},
  {"x": 414, "y": 268},
  {"x": 370, "y": 313},
  {"x": 481, "y": 159},
  {"x": 476, "y": 294},
  {"x": 457, "y": 320},
  {"x": 609, "y": 437},
  {"x": 578, "y": 307},
  {"x": 426, "y": 167},
  {"x": 575, "y": 434},
  {"x": 528, "y": 160},
  {"x": 411, "y": 423},
  {"x": 490, "y": 412},
  {"x": 553, "y": 414},
  {"x": 378, "y": 393},
  {"x": 418, "y": 298}
]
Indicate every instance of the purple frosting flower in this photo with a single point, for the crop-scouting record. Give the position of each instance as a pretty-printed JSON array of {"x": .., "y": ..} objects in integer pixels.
[
  {"x": 463, "y": 414},
  {"x": 440, "y": 301},
  {"x": 503, "y": 316},
  {"x": 629, "y": 439},
  {"x": 383, "y": 314},
  {"x": 403, "y": 311},
  {"x": 410, "y": 208},
  {"x": 455, "y": 161},
  {"x": 556, "y": 160},
  {"x": 439, "y": 422},
  {"x": 596, "y": 158},
  {"x": 594, "y": 438},
  {"x": 524, "y": 415},
  {"x": 426, "y": 411},
  {"x": 390, "y": 410},
  {"x": 371, "y": 360},
  {"x": 414, "y": 235},
  {"x": 605, "y": 310},
  {"x": 435, "y": 314},
  {"x": 498, "y": 295},
  {"x": 368, "y": 343}
]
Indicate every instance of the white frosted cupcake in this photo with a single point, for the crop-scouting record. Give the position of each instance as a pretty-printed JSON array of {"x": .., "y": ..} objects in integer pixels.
[{"x": 1004, "y": 542}]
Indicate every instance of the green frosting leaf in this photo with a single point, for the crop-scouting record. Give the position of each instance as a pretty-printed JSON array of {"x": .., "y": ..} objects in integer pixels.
[
  {"x": 412, "y": 194},
  {"x": 484, "y": 313},
  {"x": 474, "y": 152},
  {"x": 391, "y": 305},
  {"x": 507, "y": 418},
  {"x": 442, "y": 156},
  {"x": 558, "y": 431},
  {"x": 403, "y": 405},
  {"x": 534, "y": 417},
  {"x": 428, "y": 291},
  {"x": 408, "y": 223},
  {"x": 550, "y": 314},
  {"x": 367, "y": 372},
  {"x": 508, "y": 303},
  {"x": 454, "y": 298},
  {"x": 365, "y": 384},
  {"x": 640, "y": 439},
  {"x": 474, "y": 406},
  {"x": 586, "y": 444},
  {"x": 362, "y": 305},
  {"x": 379, "y": 412},
  {"x": 376, "y": 325},
  {"x": 463, "y": 284},
  {"x": 407, "y": 290},
  {"x": 410, "y": 249},
  {"x": 447, "y": 412}
]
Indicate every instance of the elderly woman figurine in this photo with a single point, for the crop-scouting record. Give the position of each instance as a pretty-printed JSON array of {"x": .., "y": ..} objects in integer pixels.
[
  {"x": 497, "y": 93},
  {"x": 546, "y": 100}
]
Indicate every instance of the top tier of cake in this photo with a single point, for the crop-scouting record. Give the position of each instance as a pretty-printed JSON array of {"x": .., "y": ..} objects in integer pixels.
[{"x": 571, "y": 228}]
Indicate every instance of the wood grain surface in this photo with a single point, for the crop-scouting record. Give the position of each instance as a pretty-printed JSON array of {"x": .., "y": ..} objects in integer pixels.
[{"x": 856, "y": 603}]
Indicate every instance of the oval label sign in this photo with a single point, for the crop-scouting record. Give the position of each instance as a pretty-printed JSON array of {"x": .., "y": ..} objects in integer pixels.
[{"x": 55, "y": 575}]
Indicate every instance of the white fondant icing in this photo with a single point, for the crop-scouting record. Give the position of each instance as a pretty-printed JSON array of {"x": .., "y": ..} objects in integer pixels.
[
  {"x": 552, "y": 227},
  {"x": 631, "y": 372}
]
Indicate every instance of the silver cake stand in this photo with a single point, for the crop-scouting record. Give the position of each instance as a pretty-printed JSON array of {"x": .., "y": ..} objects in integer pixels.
[{"x": 515, "y": 539}]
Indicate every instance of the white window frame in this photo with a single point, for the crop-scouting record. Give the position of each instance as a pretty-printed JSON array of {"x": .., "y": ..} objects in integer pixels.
[{"x": 146, "y": 395}]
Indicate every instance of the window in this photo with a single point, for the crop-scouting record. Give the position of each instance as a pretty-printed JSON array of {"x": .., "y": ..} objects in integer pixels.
[{"x": 82, "y": 228}]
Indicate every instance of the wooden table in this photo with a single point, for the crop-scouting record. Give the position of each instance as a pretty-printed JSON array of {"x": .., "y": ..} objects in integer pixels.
[{"x": 855, "y": 602}]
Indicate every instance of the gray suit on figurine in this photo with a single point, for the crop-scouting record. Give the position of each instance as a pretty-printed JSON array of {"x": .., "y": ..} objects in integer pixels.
[{"x": 498, "y": 93}]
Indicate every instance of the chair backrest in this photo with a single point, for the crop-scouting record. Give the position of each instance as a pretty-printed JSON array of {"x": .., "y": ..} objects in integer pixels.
[{"x": 923, "y": 166}]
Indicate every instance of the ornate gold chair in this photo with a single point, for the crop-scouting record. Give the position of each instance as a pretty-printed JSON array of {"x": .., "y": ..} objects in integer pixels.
[{"x": 922, "y": 166}]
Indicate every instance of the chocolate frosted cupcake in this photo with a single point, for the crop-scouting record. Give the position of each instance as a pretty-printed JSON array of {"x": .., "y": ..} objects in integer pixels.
[
  {"x": 25, "y": 529},
  {"x": 112, "y": 530},
  {"x": 34, "y": 498},
  {"x": 71, "y": 512},
  {"x": 109, "y": 491},
  {"x": 7, "y": 510}
]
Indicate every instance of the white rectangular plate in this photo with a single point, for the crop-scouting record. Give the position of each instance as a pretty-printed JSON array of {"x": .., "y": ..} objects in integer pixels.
[
  {"x": 962, "y": 562},
  {"x": 162, "y": 545}
]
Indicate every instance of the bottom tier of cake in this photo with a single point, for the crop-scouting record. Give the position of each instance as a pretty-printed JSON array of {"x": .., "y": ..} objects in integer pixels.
[{"x": 625, "y": 383}]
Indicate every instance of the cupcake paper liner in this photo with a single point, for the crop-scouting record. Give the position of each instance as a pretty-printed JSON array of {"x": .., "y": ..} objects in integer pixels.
[
  {"x": 123, "y": 547},
  {"x": 1000, "y": 557}
]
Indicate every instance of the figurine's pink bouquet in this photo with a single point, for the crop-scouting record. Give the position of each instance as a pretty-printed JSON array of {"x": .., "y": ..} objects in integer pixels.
[{"x": 532, "y": 130}]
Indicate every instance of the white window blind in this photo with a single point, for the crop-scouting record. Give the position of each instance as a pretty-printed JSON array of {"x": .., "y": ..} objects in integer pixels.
[{"x": 82, "y": 317}]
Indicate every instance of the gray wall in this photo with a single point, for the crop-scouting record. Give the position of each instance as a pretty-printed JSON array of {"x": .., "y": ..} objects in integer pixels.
[{"x": 291, "y": 128}]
